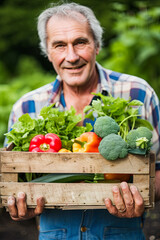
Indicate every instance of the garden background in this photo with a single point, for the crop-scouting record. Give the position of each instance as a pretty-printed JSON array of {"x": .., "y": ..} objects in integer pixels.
[{"x": 131, "y": 44}]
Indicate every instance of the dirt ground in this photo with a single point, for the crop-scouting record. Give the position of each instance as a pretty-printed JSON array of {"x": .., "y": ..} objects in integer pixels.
[{"x": 27, "y": 230}]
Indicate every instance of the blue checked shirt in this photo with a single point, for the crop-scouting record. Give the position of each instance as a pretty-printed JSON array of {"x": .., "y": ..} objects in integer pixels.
[{"x": 118, "y": 84}]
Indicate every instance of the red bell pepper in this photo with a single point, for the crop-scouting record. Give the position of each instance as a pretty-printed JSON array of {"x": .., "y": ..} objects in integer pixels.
[
  {"x": 45, "y": 143},
  {"x": 87, "y": 142}
]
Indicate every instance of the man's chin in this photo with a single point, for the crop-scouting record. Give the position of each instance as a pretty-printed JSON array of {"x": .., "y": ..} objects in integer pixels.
[{"x": 74, "y": 81}]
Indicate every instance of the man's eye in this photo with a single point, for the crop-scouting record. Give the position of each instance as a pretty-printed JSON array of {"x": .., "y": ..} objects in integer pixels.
[
  {"x": 59, "y": 46},
  {"x": 80, "y": 44}
]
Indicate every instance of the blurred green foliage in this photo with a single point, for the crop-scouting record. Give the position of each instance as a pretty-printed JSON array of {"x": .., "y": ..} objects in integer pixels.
[
  {"x": 131, "y": 45},
  {"x": 30, "y": 76},
  {"x": 136, "y": 48}
]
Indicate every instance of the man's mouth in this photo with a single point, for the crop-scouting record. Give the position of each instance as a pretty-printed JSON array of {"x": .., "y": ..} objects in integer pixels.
[{"x": 74, "y": 67}]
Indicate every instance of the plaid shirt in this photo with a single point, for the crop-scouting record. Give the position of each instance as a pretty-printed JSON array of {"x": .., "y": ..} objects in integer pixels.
[{"x": 117, "y": 84}]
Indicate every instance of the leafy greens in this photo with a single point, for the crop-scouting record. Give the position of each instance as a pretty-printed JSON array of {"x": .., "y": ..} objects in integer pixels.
[
  {"x": 124, "y": 112},
  {"x": 50, "y": 120}
]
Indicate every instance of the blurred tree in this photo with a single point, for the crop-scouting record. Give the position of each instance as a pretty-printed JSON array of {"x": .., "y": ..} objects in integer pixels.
[
  {"x": 18, "y": 35},
  {"x": 31, "y": 76},
  {"x": 135, "y": 49}
]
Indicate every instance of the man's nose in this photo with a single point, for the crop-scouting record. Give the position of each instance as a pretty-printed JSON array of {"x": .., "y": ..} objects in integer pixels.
[{"x": 71, "y": 55}]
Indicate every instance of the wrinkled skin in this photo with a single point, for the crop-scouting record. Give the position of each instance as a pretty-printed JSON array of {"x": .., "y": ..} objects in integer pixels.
[
  {"x": 130, "y": 201},
  {"x": 18, "y": 208}
]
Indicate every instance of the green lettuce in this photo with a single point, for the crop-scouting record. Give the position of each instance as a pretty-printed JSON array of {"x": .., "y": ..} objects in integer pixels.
[{"x": 51, "y": 120}]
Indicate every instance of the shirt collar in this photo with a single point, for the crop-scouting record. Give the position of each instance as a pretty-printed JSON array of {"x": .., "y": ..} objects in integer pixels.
[{"x": 103, "y": 83}]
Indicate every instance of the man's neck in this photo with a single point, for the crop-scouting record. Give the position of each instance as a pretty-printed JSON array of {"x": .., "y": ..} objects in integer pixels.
[{"x": 79, "y": 97}]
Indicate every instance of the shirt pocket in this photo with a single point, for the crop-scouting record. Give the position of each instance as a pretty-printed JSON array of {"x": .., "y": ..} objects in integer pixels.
[
  {"x": 122, "y": 234},
  {"x": 56, "y": 234}
]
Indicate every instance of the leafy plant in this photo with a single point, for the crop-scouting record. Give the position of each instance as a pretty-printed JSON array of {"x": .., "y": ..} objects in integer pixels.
[
  {"x": 124, "y": 112},
  {"x": 51, "y": 120}
]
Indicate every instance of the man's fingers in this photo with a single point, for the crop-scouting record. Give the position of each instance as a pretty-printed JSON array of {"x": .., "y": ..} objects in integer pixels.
[
  {"x": 12, "y": 207},
  {"x": 128, "y": 204},
  {"x": 111, "y": 209},
  {"x": 117, "y": 198},
  {"x": 127, "y": 196},
  {"x": 18, "y": 209},
  {"x": 40, "y": 206},
  {"x": 21, "y": 205},
  {"x": 138, "y": 201}
]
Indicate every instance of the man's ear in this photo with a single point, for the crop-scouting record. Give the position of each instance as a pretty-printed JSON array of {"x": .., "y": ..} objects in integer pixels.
[{"x": 97, "y": 49}]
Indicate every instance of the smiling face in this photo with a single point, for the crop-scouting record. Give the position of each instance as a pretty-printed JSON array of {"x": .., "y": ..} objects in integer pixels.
[{"x": 71, "y": 49}]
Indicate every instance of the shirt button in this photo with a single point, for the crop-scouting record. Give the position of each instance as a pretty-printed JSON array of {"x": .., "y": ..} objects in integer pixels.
[{"x": 83, "y": 229}]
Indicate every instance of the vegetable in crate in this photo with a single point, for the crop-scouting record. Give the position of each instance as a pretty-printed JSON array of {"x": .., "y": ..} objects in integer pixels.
[
  {"x": 45, "y": 143},
  {"x": 105, "y": 125},
  {"x": 87, "y": 142},
  {"x": 112, "y": 147},
  {"x": 51, "y": 120},
  {"x": 63, "y": 150},
  {"x": 116, "y": 176},
  {"x": 139, "y": 138},
  {"x": 124, "y": 112}
]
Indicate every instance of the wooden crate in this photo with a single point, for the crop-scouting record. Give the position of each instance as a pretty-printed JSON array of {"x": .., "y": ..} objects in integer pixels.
[{"x": 73, "y": 195}]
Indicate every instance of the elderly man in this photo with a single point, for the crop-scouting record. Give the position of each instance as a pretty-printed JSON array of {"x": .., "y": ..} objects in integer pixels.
[{"x": 70, "y": 36}]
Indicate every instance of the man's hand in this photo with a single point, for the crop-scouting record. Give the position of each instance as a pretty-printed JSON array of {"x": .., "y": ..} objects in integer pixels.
[
  {"x": 129, "y": 204},
  {"x": 18, "y": 207}
]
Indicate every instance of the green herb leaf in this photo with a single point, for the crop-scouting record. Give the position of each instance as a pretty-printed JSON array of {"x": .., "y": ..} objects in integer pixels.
[{"x": 143, "y": 123}]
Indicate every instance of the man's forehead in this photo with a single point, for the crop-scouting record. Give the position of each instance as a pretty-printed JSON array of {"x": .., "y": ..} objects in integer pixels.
[{"x": 72, "y": 15}]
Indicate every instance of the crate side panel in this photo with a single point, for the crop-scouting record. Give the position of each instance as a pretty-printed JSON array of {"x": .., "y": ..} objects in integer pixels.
[
  {"x": 71, "y": 163},
  {"x": 66, "y": 194}
]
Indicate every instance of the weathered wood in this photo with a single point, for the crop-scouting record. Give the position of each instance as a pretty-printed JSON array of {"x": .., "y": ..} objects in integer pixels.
[
  {"x": 73, "y": 195},
  {"x": 71, "y": 163},
  {"x": 66, "y": 194},
  {"x": 152, "y": 191},
  {"x": 141, "y": 178},
  {"x": 152, "y": 158},
  {"x": 9, "y": 177}
]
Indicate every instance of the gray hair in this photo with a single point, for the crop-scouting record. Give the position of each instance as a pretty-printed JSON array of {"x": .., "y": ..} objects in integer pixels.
[{"x": 67, "y": 9}]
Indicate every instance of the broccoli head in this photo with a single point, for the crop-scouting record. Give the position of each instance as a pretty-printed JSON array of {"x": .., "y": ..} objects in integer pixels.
[
  {"x": 139, "y": 138},
  {"x": 112, "y": 147},
  {"x": 105, "y": 125}
]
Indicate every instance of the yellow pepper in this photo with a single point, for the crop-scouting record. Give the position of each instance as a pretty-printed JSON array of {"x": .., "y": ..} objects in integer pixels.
[
  {"x": 63, "y": 150},
  {"x": 87, "y": 142}
]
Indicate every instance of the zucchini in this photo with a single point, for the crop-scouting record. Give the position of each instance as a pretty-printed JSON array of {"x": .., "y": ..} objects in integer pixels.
[{"x": 65, "y": 178}]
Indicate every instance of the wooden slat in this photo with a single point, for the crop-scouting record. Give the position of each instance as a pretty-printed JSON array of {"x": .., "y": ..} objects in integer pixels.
[
  {"x": 141, "y": 178},
  {"x": 152, "y": 161},
  {"x": 9, "y": 177},
  {"x": 66, "y": 194},
  {"x": 152, "y": 191},
  {"x": 152, "y": 179},
  {"x": 17, "y": 162}
]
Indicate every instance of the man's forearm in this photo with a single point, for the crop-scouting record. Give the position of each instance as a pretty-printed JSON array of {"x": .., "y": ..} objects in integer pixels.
[{"x": 157, "y": 185}]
